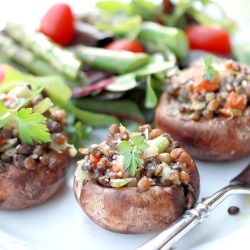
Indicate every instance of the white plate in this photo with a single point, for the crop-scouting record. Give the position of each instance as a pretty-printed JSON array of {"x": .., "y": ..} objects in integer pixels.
[{"x": 61, "y": 224}]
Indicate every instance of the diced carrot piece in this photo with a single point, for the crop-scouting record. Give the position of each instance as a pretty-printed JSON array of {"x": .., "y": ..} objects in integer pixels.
[
  {"x": 236, "y": 101},
  {"x": 207, "y": 86},
  {"x": 94, "y": 159},
  {"x": 117, "y": 168},
  {"x": 2, "y": 141},
  {"x": 232, "y": 67}
]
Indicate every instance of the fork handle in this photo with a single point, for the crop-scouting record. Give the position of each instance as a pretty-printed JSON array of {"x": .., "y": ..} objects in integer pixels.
[
  {"x": 190, "y": 219},
  {"x": 178, "y": 229}
]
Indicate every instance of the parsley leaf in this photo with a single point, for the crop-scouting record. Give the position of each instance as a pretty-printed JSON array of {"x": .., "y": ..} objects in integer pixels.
[
  {"x": 125, "y": 148},
  {"x": 139, "y": 142},
  {"x": 131, "y": 151},
  {"x": 211, "y": 72},
  {"x": 127, "y": 162},
  {"x": 30, "y": 127},
  {"x": 208, "y": 60}
]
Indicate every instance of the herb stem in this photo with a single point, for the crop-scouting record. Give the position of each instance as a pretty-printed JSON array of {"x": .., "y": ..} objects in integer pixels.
[{"x": 23, "y": 104}]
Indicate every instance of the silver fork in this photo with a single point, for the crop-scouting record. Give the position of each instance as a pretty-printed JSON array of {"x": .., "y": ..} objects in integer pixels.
[{"x": 165, "y": 240}]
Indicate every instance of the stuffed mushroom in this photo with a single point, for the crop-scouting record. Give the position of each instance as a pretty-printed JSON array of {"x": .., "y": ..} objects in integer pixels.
[
  {"x": 34, "y": 149},
  {"x": 207, "y": 109},
  {"x": 136, "y": 182}
]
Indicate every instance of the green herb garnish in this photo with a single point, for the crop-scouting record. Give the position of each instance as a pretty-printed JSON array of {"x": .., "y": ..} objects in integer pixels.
[
  {"x": 130, "y": 151},
  {"x": 211, "y": 72},
  {"x": 29, "y": 125}
]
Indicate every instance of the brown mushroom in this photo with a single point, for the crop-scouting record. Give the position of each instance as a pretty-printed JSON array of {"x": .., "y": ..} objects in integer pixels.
[
  {"x": 125, "y": 210},
  {"x": 32, "y": 168},
  {"x": 210, "y": 118},
  {"x": 136, "y": 209},
  {"x": 216, "y": 139},
  {"x": 22, "y": 188}
]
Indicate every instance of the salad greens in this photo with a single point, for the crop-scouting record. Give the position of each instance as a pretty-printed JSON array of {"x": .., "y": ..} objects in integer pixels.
[
  {"x": 147, "y": 10},
  {"x": 151, "y": 97},
  {"x": 177, "y": 14},
  {"x": 119, "y": 62},
  {"x": 131, "y": 69},
  {"x": 242, "y": 53},
  {"x": 119, "y": 25},
  {"x": 130, "y": 81},
  {"x": 80, "y": 122},
  {"x": 123, "y": 109},
  {"x": 123, "y": 83},
  {"x": 133, "y": 82},
  {"x": 165, "y": 38},
  {"x": 51, "y": 84},
  {"x": 59, "y": 93}
]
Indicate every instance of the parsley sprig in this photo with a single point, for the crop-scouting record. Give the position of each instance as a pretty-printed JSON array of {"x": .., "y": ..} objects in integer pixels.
[
  {"x": 29, "y": 124},
  {"x": 211, "y": 72},
  {"x": 131, "y": 151}
]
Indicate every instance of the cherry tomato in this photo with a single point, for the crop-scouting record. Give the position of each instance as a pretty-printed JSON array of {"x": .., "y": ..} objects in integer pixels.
[
  {"x": 58, "y": 24},
  {"x": 125, "y": 44},
  {"x": 214, "y": 40}
]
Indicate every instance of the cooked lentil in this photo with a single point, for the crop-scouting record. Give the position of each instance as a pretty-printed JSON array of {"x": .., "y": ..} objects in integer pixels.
[
  {"x": 30, "y": 157},
  {"x": 197, "y": 103},
  {"x": 104, "y": 164},
  {"x": 233, "y": 210}
]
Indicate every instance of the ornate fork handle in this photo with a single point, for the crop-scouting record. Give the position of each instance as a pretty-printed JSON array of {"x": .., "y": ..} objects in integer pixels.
[
  {"x": 178, "y": 229},
  {"x": 190, "y": 219}
]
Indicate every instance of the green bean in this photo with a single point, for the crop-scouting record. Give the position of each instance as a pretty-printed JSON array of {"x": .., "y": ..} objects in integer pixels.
[
  {"x": 165, "y": 38},
  {"x": 119, "y": 62}
]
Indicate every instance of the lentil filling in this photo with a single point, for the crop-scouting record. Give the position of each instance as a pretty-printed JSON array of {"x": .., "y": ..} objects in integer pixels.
[
  {"x": 139, "y": 159},
  {"x": 226, "y": 94},
  {"x": 35, "y": 155}
]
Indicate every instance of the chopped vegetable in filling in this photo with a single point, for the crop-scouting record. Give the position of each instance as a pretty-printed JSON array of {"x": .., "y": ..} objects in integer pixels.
[
  {"x": 212, "y": 88},
  {"x": 31, "y": 130},
  {"x": 140, "y": 159}
]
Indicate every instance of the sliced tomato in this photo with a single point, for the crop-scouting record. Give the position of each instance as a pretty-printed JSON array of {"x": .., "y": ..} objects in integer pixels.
[
  {"x": 211, "y": 39},
  {"x": 125, "y": 44},
  {"x": 58, "y": 24}
]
